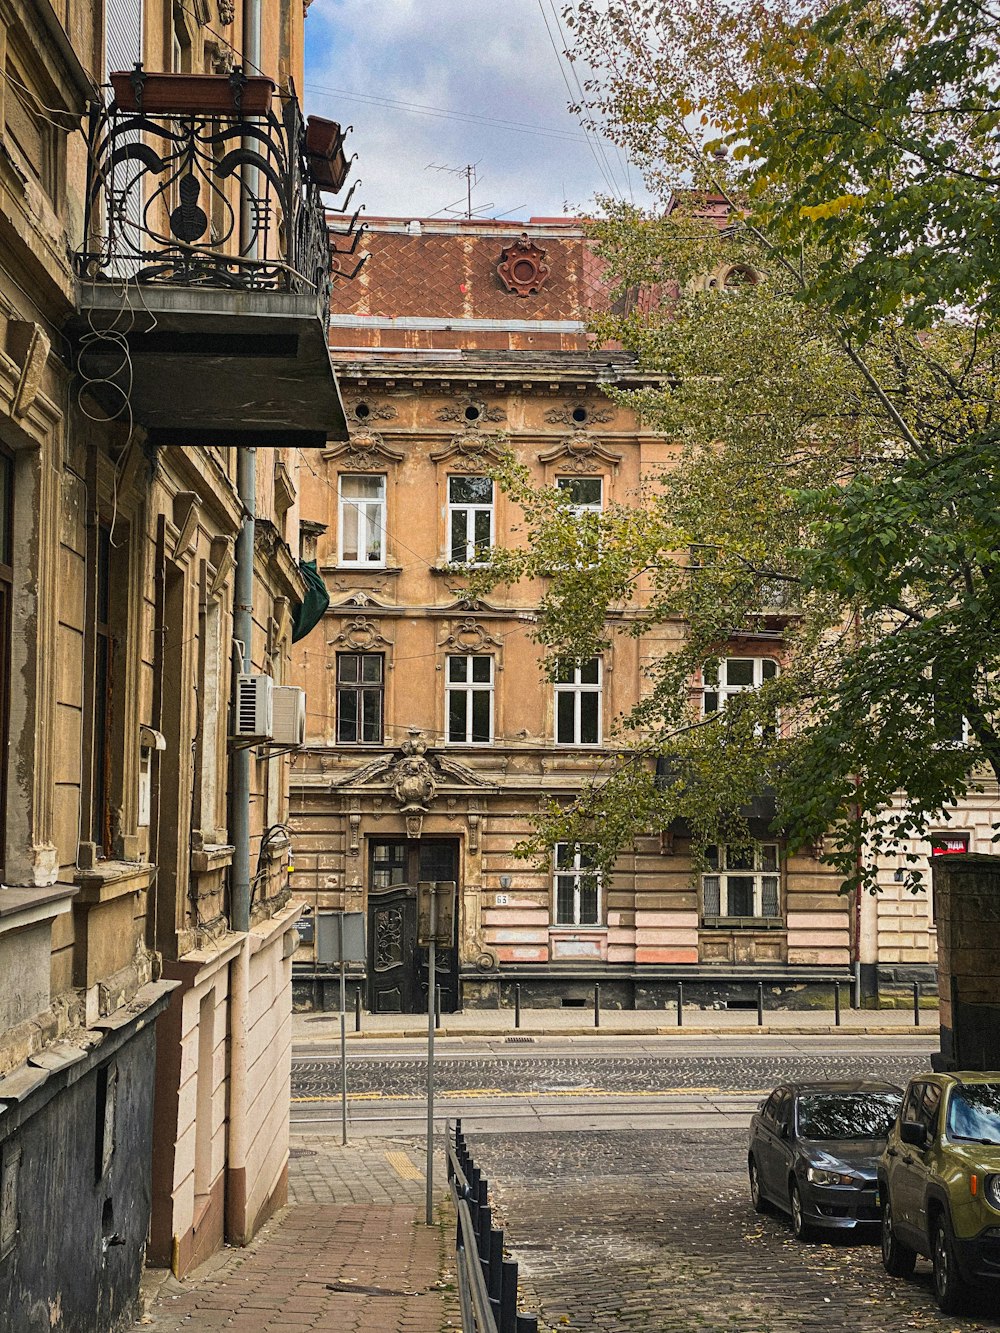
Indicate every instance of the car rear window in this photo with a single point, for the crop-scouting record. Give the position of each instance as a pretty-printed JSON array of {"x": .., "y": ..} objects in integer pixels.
[
  {"x": 974, "y": 1113},
  {"x": 847, "y": 1115}
]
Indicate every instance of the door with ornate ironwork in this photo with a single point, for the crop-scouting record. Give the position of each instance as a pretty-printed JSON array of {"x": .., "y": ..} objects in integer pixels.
[{"x": 397, "y": 968}]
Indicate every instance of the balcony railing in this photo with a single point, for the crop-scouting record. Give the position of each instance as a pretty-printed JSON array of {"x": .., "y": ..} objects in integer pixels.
[{"x": 206, "y": 198}]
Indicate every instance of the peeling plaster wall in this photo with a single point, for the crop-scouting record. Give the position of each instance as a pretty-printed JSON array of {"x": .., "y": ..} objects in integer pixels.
[{"x": 60, "y": 1275}]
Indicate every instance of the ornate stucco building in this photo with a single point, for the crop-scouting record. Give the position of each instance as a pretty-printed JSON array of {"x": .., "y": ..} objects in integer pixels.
[
  {"x": 153, "y": 285},
  {"x": 432, "y": 732}
]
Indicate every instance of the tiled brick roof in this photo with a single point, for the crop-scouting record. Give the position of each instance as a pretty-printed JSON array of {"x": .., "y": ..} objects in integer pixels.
[{"x": 452, "y": 274}]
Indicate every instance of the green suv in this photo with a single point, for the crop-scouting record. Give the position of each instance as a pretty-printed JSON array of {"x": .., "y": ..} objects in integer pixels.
[{"x": 939, "y": 1183}]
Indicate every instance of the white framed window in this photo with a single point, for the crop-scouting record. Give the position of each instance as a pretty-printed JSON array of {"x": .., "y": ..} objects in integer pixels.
[
  {"x": 470, "y": 520},
  {"x": 725, "y": 677},
  {"x": 586, "y": 494},
  {"x": 362, "y": 519},
  {"x": 469, "y": 699},
  {"x": 578, "y": 703},
  {"x": 741, "y": 884},
  {"x": 576, "y": 886},
  {"x": 360, "y": 698}
]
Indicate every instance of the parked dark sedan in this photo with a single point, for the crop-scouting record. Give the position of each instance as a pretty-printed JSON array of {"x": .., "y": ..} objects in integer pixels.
[{"x": 814, "y": 1149}]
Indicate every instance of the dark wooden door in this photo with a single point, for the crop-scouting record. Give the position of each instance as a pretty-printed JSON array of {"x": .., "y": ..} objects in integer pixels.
[{"x": 397, "y": 968}]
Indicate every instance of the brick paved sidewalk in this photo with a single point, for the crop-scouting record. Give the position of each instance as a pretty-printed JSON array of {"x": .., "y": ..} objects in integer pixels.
[{"x": 329, "y": 1267}]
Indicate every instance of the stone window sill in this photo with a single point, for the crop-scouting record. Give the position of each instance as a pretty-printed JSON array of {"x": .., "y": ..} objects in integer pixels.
[
  {"x": 212, "y": 856},
  {"x": 27, "y": 907},
  {"x": 114, "y": 879}
]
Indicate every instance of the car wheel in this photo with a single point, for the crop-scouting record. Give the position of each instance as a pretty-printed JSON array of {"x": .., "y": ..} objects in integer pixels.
[
  {"x": 800, "y": 1227},
  {"x": 897, "y": 1259},
  {"x": 760, "y": 1204},
  {"x": 948, "y": 1290}
]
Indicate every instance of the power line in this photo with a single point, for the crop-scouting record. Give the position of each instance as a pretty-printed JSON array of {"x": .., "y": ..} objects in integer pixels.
[
  {"x": 582, "y": 99},
  {"x": 602, "y": 166},
  {"x": 442, "y": 113}
]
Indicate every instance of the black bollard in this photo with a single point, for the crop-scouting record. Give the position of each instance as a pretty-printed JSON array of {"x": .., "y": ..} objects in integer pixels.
[
  {"x": 517, "y": 1004},
  {"x": 437, "y": 1006},
  {"x": 597, "y": 1004},
  {"x": 483, "y": 1235},
  {"x": 526, "y": 1323},
  {"x": 836, "y": 1003},
  {"x": 680, "y": 1004},
  {"x": 507, "y": 1322},
  {"x": 357, "y": 1009},
  {"x": 494, "y": 1284},
  {"x": 916, "y": 1004},
  {"x": 760, "y": 1004}
]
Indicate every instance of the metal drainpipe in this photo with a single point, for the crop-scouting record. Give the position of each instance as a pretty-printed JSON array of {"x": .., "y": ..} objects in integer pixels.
[
  {"x": 238, "y": 1187},
  {"x": 246, "y": 482},
  {"x": 251, "y": 65}
]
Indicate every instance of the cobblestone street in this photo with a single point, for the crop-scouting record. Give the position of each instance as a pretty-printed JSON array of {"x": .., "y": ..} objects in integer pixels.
[
  {"x": 748, "y": 1072},
  {"x": 629, "y": 1231}
]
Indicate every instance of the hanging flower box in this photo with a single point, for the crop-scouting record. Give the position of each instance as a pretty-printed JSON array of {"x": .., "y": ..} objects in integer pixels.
[
  {"x": 325, "y": 157},
  {"x": 194, "y": 94}
]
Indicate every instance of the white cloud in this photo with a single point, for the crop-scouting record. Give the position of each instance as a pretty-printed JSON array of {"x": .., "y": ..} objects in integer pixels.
[{"x": 469, "y": 58}]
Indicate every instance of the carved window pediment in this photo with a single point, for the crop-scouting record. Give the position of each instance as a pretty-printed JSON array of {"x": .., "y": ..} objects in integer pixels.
[
  {"x": 466, "y": 603},
  {"x": 364, "y": 451},
  {"x": 581, "y": 453},
  {"x": 358, "y": 599},
  {"x": 476, "y": 452}
]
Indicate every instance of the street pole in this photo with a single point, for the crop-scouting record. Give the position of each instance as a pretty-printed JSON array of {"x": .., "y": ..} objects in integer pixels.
[
  {"x": 431, "y": 983},
  {"x": 343, "y": 1039}
]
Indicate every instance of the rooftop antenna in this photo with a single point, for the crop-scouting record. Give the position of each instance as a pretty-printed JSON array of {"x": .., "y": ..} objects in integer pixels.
[{"x": 471, "y": 180}]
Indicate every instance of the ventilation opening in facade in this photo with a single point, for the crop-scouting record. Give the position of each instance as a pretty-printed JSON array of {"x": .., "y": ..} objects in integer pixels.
[
  {"x": 572, "y": 1001},
  {"x": 472, "y": 412},
  {"x": 362, "y": 411},
  {"x": 579, "y": 414},
  {"x": 741, "y": 1004}
]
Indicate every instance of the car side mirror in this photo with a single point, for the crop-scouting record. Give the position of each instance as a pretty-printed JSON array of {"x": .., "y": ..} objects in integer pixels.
[{"x": 910, "y": 1131}]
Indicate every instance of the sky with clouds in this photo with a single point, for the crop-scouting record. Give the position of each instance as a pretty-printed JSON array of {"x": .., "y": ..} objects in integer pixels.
[{"x": 447, "y": 83}]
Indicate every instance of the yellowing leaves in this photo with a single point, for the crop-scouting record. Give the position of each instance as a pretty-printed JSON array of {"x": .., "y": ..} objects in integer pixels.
[{"x": 832, "y": 208}]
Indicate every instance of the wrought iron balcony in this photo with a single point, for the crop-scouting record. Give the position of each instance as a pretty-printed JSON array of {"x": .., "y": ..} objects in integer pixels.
[{"x": 206, "y": 249}]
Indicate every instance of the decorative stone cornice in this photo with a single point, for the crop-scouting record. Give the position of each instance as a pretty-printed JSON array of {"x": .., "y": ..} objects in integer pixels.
[
  {"x": 563, "y": 416},
  {"x": 360, "y": 635},
  {"x": 469, "y": 636}
]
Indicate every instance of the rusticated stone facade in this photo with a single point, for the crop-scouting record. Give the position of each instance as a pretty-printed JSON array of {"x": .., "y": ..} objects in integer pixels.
[{"x": 440, "y": 363}]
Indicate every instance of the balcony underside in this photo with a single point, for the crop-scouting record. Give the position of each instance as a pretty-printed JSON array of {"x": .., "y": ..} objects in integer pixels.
[{"x": 209, "y": 366}]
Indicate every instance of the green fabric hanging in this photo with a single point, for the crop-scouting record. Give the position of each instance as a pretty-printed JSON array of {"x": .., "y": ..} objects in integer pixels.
[{"x": 315, "y": 602}]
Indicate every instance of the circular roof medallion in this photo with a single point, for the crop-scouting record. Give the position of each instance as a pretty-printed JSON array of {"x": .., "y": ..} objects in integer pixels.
[{"x": 522, "y": 268}]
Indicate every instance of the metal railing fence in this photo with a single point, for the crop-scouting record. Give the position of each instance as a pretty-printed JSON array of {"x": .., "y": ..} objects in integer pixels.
[{"x": 487, "y": 1282}]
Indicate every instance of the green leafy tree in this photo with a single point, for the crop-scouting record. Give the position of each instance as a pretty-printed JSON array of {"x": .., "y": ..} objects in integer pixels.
[{"x": 834, "y": 414}]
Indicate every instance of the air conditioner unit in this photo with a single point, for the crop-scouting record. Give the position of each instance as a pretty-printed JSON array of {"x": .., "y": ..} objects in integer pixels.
[
  {"x": 254, "y": 707},
  {"x": 289, "y": 715}
]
